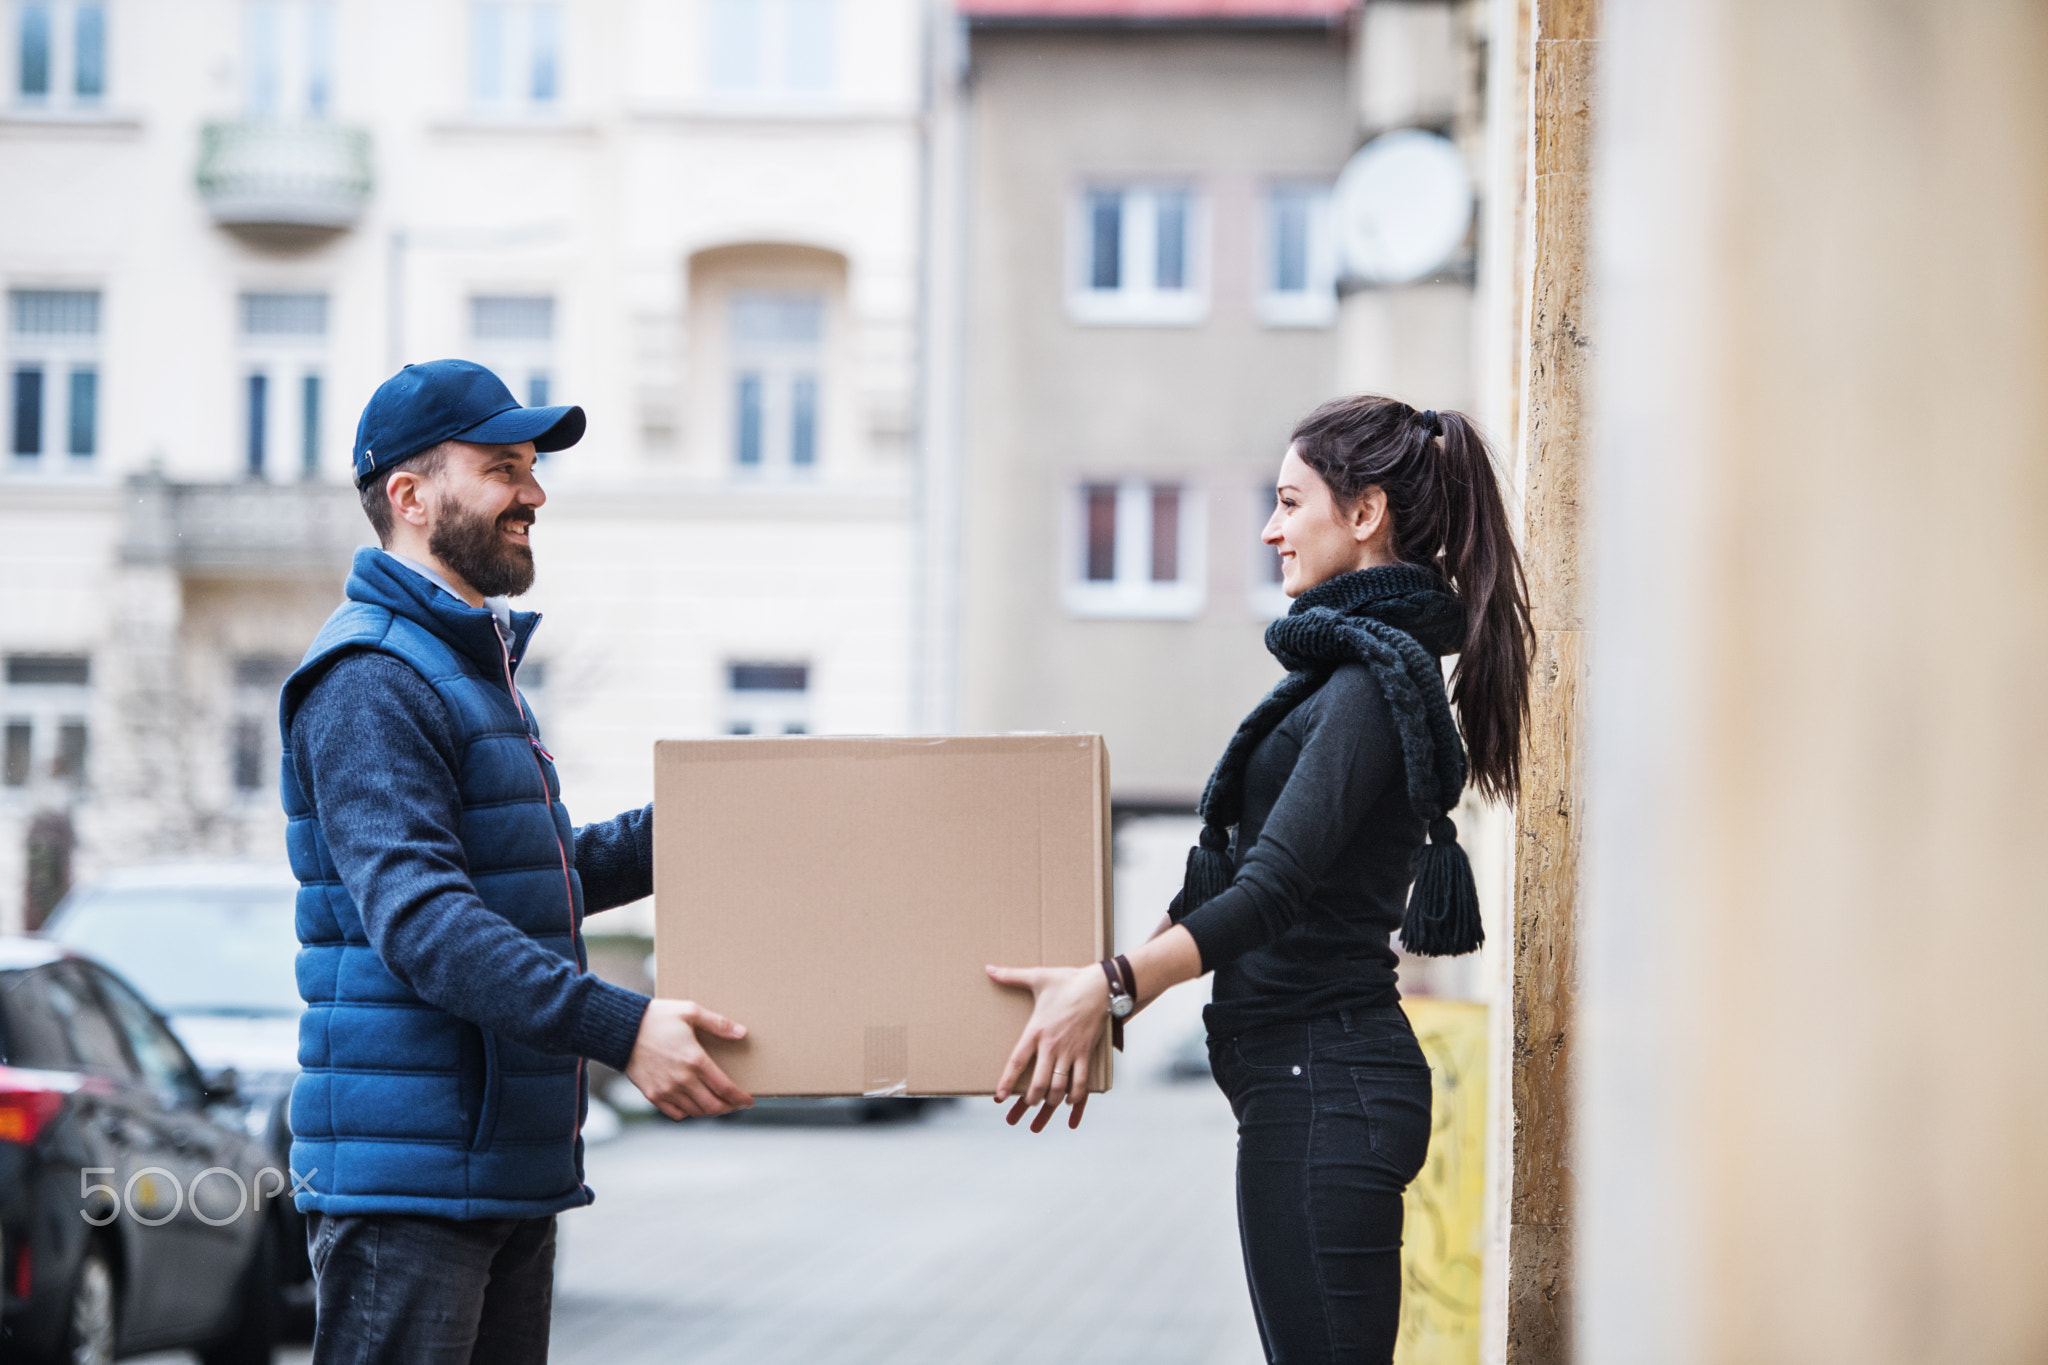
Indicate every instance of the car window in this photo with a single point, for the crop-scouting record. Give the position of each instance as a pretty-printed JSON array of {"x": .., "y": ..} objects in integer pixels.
[
  {"x": 164, "y": 1063},
  {"x": 95, "y": 1039},
  {"x": 31, "y": 1030},
  {"x": 192, "y": 950}
]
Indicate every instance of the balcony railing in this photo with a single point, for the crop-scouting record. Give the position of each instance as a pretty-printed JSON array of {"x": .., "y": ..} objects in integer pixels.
[
  {"x": 289, "y": 179},
  {"x": 241, "y": 530}
]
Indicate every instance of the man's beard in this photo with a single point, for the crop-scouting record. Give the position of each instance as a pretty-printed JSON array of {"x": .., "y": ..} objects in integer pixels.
[{"x": 475, "y": 547}]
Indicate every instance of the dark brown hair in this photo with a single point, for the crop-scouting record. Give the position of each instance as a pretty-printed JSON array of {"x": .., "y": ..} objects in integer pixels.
[
  {"x": 1444, "y": 500},
  {"x": 377, "y": 502}
]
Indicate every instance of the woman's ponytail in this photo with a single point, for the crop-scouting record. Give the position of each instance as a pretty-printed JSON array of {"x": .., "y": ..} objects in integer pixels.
[
  {"x": 1448, "y": 514},
  {"x": 1490, "y": 686}
]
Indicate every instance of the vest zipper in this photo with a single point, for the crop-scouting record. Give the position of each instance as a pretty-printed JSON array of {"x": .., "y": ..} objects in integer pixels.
[{"x": 568, "y": 890}]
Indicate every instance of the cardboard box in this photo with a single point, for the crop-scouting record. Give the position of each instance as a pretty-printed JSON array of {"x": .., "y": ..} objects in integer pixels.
[{"x": 840, "y": 897}]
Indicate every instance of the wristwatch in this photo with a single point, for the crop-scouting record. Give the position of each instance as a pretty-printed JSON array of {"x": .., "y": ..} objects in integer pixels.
[{"x": 1123, "y": 996}]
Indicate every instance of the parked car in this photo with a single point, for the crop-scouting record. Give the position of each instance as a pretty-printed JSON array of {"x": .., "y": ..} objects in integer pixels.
[
  {"x": 213, "y": 946},
  {"x": 136, "y": 1211}
]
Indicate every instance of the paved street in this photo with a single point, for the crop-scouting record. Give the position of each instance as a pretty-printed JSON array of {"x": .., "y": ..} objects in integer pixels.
[{"x": 953, "y": 1240}]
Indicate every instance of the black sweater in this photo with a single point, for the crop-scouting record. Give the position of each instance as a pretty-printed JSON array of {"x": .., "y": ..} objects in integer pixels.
[{"x": 1324, "y": 851}]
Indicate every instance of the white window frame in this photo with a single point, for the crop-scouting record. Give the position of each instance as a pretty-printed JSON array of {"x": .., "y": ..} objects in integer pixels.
[
  {"x": 47, "y": 708},
  {"x": 780, "y": 364},
  {"x": 58, "y": 354},
  {"x": 299, "y": 62},
  {"x": 254, "y": 704},
  {"x": 767, "y": 711},
  {"x": 1137, "y": 300},
  {"x": 63, "y": 92},
  {"x": 286, "y": 360},
  {"x": 519, "y": 360},
  {"x": 521, "y": 24},
  {"x": 1132, "y": 593},
  {"x": 1263, "y": 592},
  {"x": 775, "y": 75},
  {"x": 1315, "y": 304}
]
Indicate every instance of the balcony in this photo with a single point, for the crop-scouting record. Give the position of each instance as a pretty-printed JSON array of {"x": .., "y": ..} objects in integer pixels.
[
  {"x": 284, "y": 184},
  {"x": 244, "y": 530}
]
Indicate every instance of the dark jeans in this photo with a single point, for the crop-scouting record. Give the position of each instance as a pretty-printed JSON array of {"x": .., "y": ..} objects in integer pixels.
[
  {"x": 1332, "y": 1124},
  {"x": 396, "y": 1290}
]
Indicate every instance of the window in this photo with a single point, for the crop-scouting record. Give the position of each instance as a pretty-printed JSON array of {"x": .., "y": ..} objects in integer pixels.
[
  {"x": 20, "y": 736},
  {"x": 287, "y": 58},
  {"x": 767, "y": 699},
  {"x": 777, "y": 345},
  {"x": 284, "y": 340},
  {"x": 164, "y": 1062},
  {"x": 1139, "y": 256},
  {"x": 46, "y": 701},
  {"x": 252, "y": 753},
  {"x": 1300, "y": 275},
  {"x": 515, "y": 55},
  {"x": 60, "y": 52},
  {"x": 514, "y": 336},
  {"x": 55, "y": 1023},
  {"x": 49, "y": 670},
  {"x": 769, "y": 47},
  {"x": 1266, "y": 596},
  {"x": 94, "y": 1037},
  {"x": 1136, "y": 549},
  {"x": 54, "y": 377}
]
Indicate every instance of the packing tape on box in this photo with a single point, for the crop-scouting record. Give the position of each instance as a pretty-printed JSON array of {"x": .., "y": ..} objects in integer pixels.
[{"x": 888, "y": 1060}]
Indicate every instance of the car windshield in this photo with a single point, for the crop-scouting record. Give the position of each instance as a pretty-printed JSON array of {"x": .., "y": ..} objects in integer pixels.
[{"x": 193, "y": 950}]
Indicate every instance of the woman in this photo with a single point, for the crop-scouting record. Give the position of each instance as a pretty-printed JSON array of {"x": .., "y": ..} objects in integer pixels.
[{"x": 1394, "y": 544}]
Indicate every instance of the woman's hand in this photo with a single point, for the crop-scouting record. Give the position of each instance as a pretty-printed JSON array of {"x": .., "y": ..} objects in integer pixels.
[{"x": 1070, "y": 1008}]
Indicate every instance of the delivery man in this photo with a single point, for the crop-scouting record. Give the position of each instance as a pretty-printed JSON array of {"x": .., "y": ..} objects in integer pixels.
[{"x": 449, "y": 1008}]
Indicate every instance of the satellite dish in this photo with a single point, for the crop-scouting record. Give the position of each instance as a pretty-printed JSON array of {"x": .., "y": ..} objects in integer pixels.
[{"x": 1403, "y": 205}]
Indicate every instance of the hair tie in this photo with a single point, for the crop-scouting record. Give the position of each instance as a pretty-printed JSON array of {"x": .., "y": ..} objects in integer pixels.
[{"x": 1432, "y": 423}]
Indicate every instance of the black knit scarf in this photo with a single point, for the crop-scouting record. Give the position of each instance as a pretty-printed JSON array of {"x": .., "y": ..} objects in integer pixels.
[{"x": 1397, "y": 620}]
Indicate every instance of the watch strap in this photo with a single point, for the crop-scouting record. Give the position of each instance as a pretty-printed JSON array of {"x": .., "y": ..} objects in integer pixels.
[{"x": 1116, "y": 988}]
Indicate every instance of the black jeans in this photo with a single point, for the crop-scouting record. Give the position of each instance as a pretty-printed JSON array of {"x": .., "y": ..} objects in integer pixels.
[
  {"x": 397, "y": 1290},
  {"x": 1332, "y": 1123}
]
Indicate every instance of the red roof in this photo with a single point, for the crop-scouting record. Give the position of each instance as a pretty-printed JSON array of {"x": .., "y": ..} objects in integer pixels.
[{"x": 1157, "y": 11}]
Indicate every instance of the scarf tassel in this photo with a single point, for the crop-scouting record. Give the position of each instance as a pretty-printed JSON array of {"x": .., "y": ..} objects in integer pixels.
[
  {"x": 1443, "y": 907},
  {"x": 1209, "y": 869}
]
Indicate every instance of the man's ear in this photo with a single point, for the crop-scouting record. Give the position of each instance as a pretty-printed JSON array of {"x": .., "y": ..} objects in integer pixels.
[{"x": 407, "y": 492}]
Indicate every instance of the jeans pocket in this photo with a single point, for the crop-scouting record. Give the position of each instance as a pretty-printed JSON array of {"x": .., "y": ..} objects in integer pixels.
[
  {"x": 1272, "y": 1049},
  {"x": 1396, "y": 1101},
  {"x": 324, "y": 1228}
]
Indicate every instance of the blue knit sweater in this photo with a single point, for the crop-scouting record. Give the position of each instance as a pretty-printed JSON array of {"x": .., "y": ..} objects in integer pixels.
[
  {"x": 442, "y": 895},
  {"x": 376, "y": 747}
]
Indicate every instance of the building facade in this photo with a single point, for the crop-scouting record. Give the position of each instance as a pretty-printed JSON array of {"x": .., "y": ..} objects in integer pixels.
[
  {"x": 228, "y": 222},
  {"x": 1149, "y": 296}
]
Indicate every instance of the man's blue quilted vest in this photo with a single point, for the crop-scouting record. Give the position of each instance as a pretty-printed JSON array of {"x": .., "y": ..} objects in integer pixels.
[{"x": 399, "y": 1106}]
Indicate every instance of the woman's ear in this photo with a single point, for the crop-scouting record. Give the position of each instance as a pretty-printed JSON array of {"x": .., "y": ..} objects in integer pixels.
[{"x": 1368, "y": 514}]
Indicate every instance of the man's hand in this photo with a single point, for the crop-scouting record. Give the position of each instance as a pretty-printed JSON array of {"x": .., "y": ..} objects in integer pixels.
[{"x": 671, "y": 1068}]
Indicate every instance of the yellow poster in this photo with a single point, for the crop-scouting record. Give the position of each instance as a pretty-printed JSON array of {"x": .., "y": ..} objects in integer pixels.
[{"x": 1445, "y": 1228}]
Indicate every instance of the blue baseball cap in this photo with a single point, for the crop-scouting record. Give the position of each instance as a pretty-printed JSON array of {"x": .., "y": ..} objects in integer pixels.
[{"x": 452, "y": 400}]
